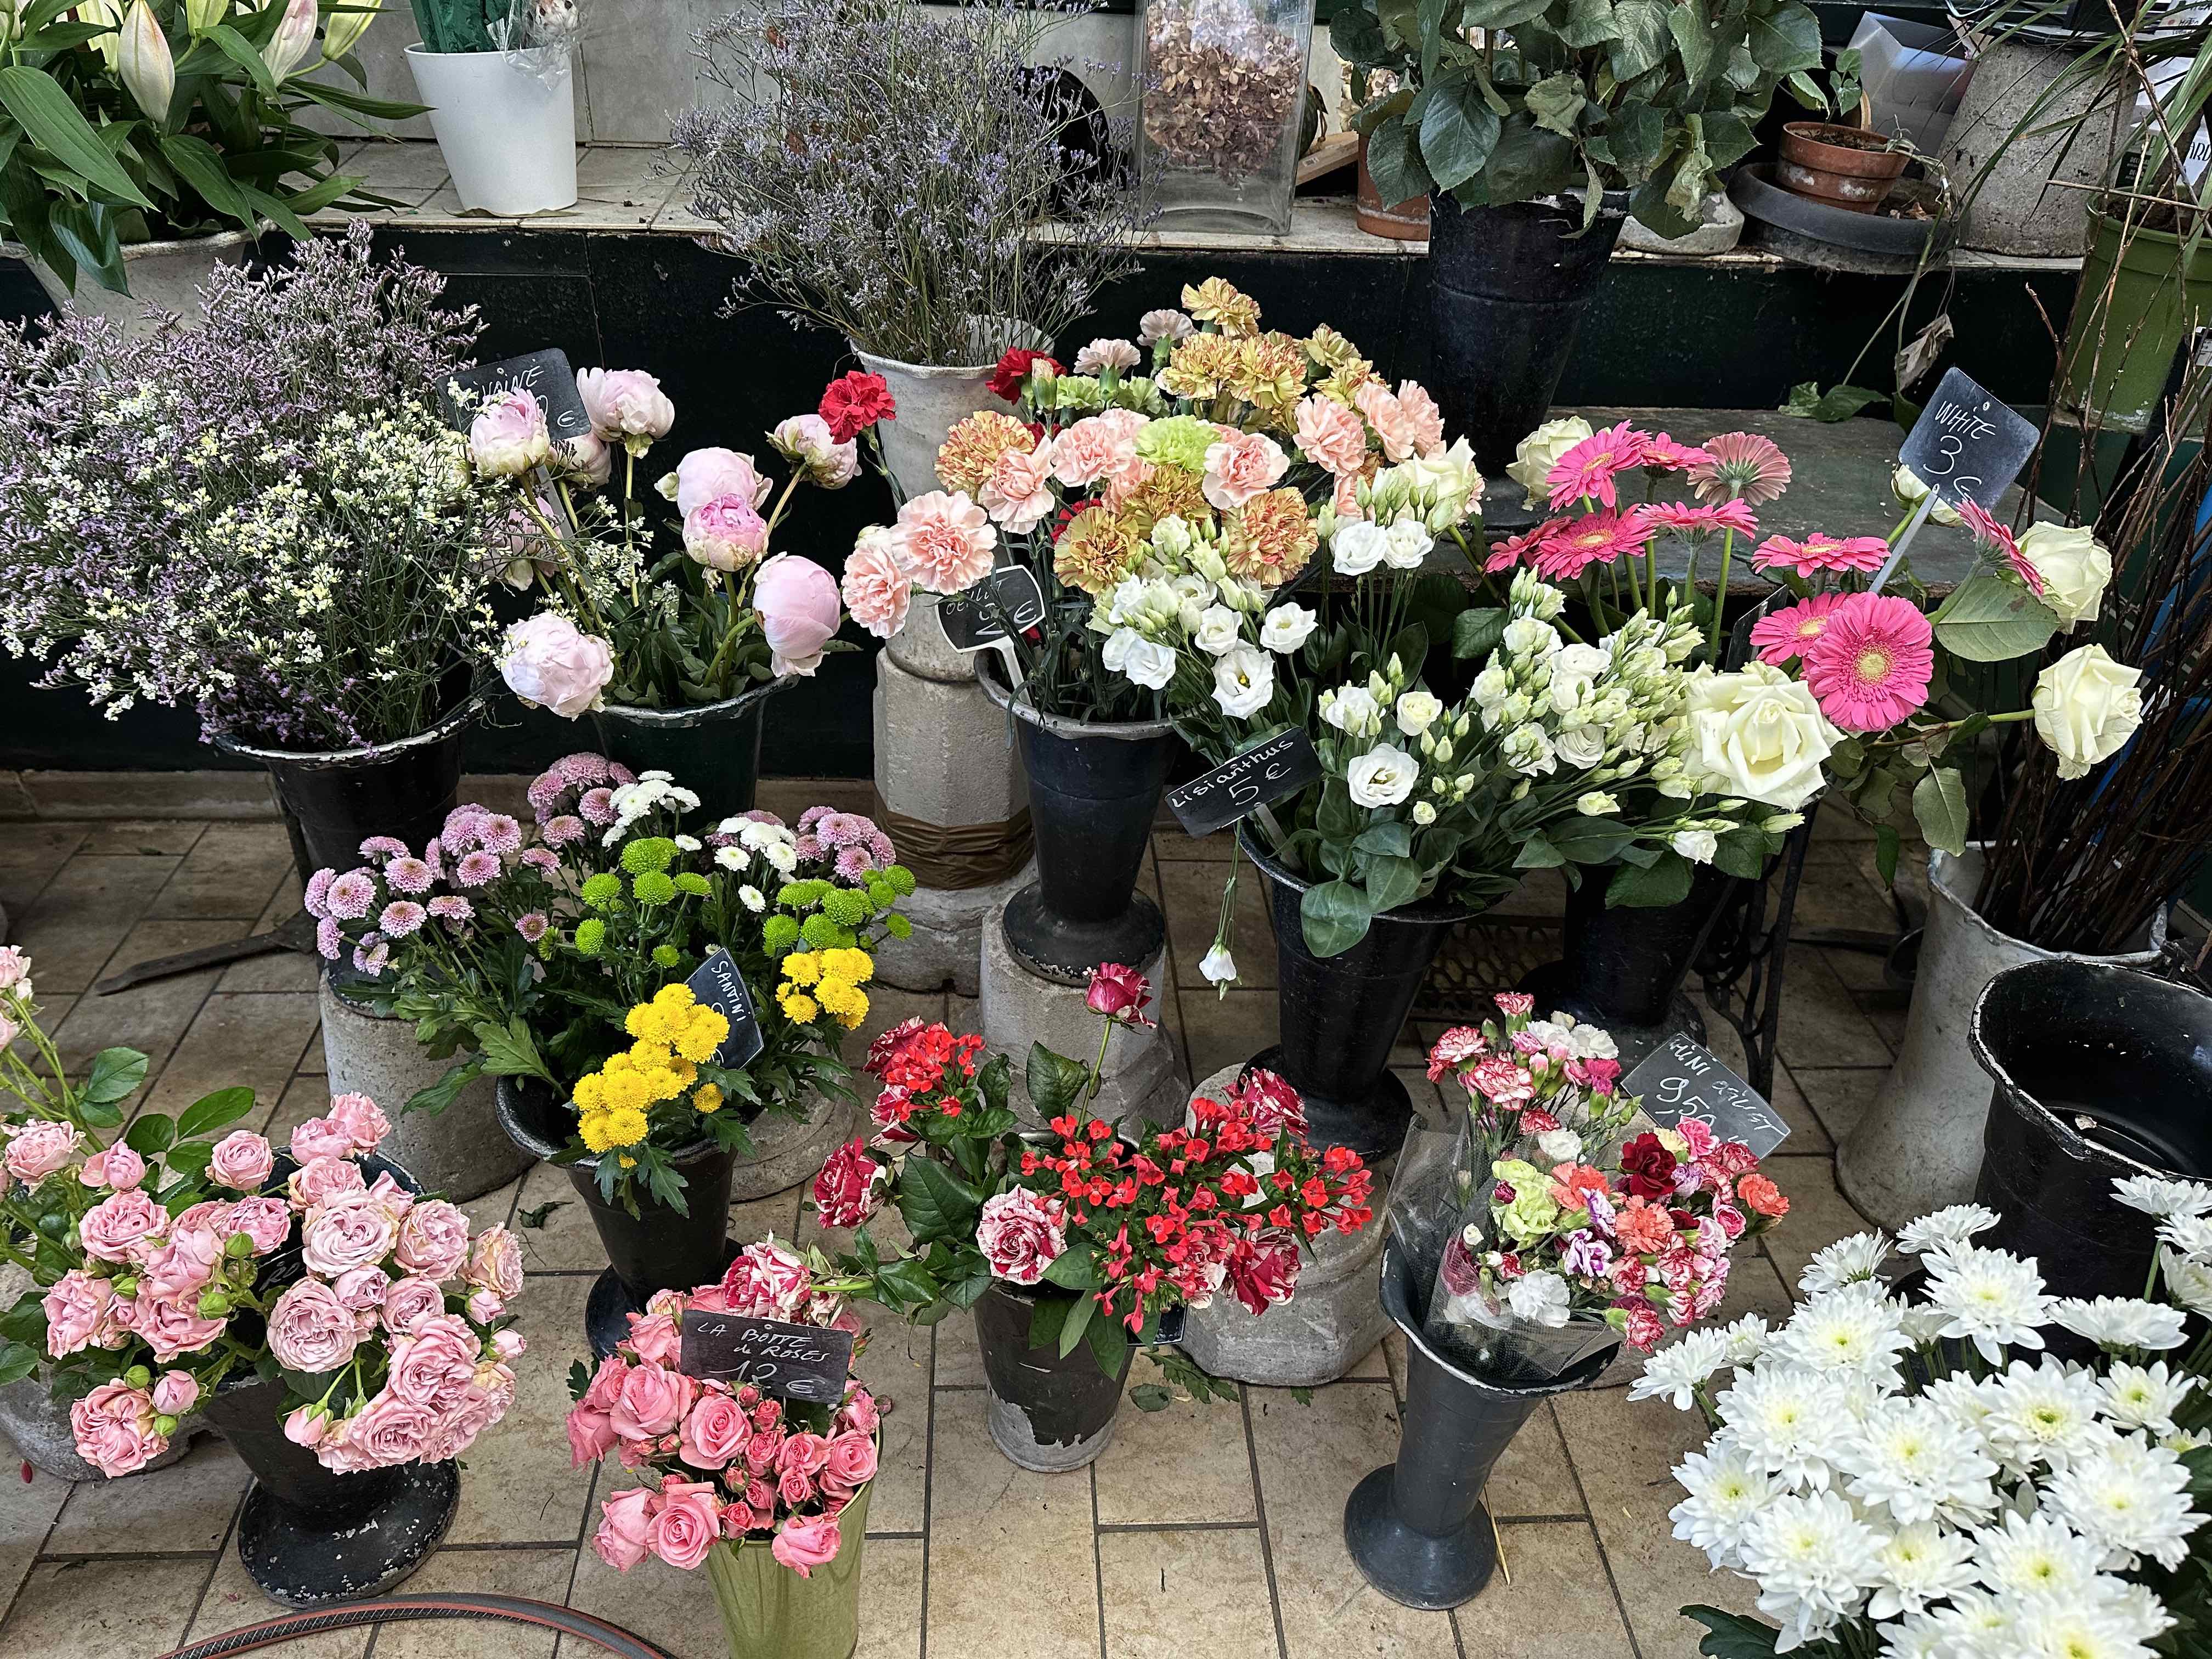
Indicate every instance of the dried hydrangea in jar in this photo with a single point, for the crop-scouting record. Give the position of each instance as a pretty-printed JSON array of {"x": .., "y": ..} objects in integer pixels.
[{"x": 1223, "y": 90}]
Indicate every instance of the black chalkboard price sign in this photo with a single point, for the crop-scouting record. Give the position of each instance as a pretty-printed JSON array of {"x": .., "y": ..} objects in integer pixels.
[
  {"x": 718, "y": 984},
  {"x": 970, "y": 624},
  {"x": 808, "y": 1363},
  {"x": 1680, "y": 1079},
  {"x": 1283, "y": 765},
  {"x": 1966, "y": 443},
  {"x": 544, "y": 374}
]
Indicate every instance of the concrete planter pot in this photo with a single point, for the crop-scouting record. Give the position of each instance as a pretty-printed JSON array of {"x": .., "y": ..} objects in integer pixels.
[
  {"x": 1919, "y": 1146},
  {"x": 169, "y": 274},
  {"x": 933, "y": 399},
  {"x": 39, "y": 1427}
]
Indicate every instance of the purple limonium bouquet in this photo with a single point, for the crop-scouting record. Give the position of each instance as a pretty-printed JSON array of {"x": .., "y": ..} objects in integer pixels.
[{"x": 263, "y": 516}]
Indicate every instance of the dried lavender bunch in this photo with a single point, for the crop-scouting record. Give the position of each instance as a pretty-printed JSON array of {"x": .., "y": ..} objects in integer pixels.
[
  {"x": 263, "y": 516},
  {"x": 884, "y": 167}
]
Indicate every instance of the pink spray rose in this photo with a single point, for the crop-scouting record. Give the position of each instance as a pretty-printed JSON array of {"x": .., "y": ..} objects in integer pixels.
[
  {"x": 113, "y": 1428},
  {"x": 799, "y": 610},
  {"x": 267, "y": 1222},
  {"x": 118, "y": 1228},
  {"x": 943, "y": 542},
  {"x": 172, "y": 1327},
  {"x": 433, "y": 1240},
  {"x": 241, "y": 1161},
  {"x": 175, "y": 1393},
  {"x": 40, "y": 1149},
  {"x": 1020, "y": 1233},
  {"x": 548, "y": 662},
  {"x": 626, "y": 405},
  {"x": 508, "y": 437},
  {"x": 656, "y": 1338},
  {"x": 362, "y": 1290},
  {"x": 350, "y": 1231},
  {"x": 859, "y": 1415},
  {"x": 626, "y": 1528},
  {"x": 432, "y": 1365},
  {"x": 705, "y": 474},
  {"x": 484, "y": 1306},
  {"x": 590, "y": 1436},
  {"x": 851, "y": 1463},
  {"x": 321, "y": 1137},
  {"x": 714, "y": 1433},
  {"x": 805, "y": 1545},
  {"x": 876, "y": 590},
  {"x": 319, "y": 1180},
  {"x": 362, "y": 1120},
  {"x": 388, "y": 1429},
  {"x": 726, "y": 533},
  {"x": 653, "y": 1400},
  {"x": 687, "y": 1523},
  {"x": 1240, "y": 467},
  {"x": 495, "y": 1263},
  {"x": 119, "y": 1168},
  {"x": 310, "y": 1329},
  {"x": 306, "y": 1426},
  {"x": 81, "y": 1313}
]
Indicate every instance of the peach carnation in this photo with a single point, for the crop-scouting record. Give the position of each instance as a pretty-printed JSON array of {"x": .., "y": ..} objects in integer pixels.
[
  {"x": 971, "y": 450},
  {"x": 943, "y": 542}
]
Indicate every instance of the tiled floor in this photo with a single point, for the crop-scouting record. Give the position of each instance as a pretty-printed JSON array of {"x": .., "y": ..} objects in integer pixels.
[{"x": 1208, "y": 1529}]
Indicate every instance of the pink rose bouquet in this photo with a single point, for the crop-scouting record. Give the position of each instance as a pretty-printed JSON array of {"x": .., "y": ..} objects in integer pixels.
[{"x": 725, "y": 1467}]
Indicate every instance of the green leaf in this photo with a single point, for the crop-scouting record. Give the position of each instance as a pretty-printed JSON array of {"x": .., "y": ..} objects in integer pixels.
[
  {"x": 216, "y": 1111},
  {"x": 508, "y": 1050},
  {"x": 534, "y": 1219},
  {"x": 1073, "y": 1270},
  {"x": 1527, "y": 162},
  {"x": 433, "y": 1098},
  {"x": 1391, "y": 882},
  {"x": 1394, "y": 162},
  {"x": 1788, "y": 38},
  {"x": 1071, "y": 1328},
  {"x": 1537, "y": 853},
  {"x": 1886, "y": 844},
  {"x": 1731, "y": 1636},
  {"x": 1939, "y": 802},
  {"x": 1556, "y": 101},
  {"x": 1151, "y": 1396},
  {"x": 52, "y": 121},
  {"x": 1356, "y": 36},
  {"x": 1644, "y": 38},
  {"x": 150, "y": 1134},
  {"x": 1389, "y": 839},
  {"x": 1457, "y": 131},
  {"x": 1334, "y": 915},
  {"x": 1110, "y": 1345},
  {"x": 1839, "y": 403},
  {"x": 1587, "y": 840},
  {"x": 201, "y": 166},
  {"x": 1478, "y": 631},
  {"x": 17, "y": 1361},
  {"x": 1047, "y": 1316},
  {"x": 1666, "y": 882},
  {"x": 1692, "y": 29},
  {"x": 1989, "y": 619},
  {"x": 1055, "y": 1082},
  {"x": 88, "y": 233},
  {"x": 240, "y": 51},
  {"x": 936, "y": 1204},
  {"x": 116, "y": 1074}
]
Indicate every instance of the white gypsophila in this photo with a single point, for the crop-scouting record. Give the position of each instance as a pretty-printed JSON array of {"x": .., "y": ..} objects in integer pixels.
[
  {"x": 2146, "y": 1397},
  {"x": 1918, "y": 1565},
  {"x": 2131, "y": 1497},
  {"x": 1991, "y": 1299},
  {"x": 1787, "y": 1418},
  {"x": 1853, "y": 1329},
  {"x": 1728, "y": 1489},
  {"x": 1941, "y": 1230},
  {"x": 1814, "y": 1560},
  {"x": 1919, "y": 1461},
  {"x": 2121, "y": 1321},
  {"x": 1676, "y": 1372},
  {"x": 2042, "y": 1415},
  {"x": 2162, "y": 1196},
  {"x": 1540, "y": 1297},
  {"x": 1846, "y": 1261}
]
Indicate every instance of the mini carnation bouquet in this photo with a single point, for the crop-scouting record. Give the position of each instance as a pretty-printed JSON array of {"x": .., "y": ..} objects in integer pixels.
[
  {"x": 178, "y": 1259},
  {"x": 1562, "y": 1220},
  {"x": 1916, "y": 1476},
  {"x": 1107, "y": 1229},
  {"x": 644, "y": 614},
  {"x": 557, "y": 953}
]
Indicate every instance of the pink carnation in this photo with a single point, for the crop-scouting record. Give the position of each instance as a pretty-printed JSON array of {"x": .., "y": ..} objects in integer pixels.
[
  {"x": 876, "y": 590},
  {"x": 944, "y": 543}
]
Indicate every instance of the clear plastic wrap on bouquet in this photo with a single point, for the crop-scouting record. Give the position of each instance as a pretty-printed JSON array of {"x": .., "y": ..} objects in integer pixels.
[
  {"x": 1429, "y": 1191},
  {"x": 537, "y": 36},
  {"x": 1477, "y": 1329}
]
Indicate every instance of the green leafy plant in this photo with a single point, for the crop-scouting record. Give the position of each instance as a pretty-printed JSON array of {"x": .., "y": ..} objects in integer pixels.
[{"x": 459, "y": 24}]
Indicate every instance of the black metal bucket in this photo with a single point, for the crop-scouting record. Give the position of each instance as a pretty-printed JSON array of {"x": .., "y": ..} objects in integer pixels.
[
  {"x": 2101, "y": 1072},
  {"x": 714, "y": 751},
  {"x": 1047, "y": 1412}
]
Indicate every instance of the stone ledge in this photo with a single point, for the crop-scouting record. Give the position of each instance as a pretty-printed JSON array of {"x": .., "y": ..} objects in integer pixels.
[{"x": 248, "y": 796}]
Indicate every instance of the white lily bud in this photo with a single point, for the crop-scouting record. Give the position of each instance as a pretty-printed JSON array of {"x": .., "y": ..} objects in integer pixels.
[
  {"x": 143, "y": 60},
  {"x": 202, "y": 15},
  {"x": 296, "y": 36},
  {"x": 344, "y": 32}
]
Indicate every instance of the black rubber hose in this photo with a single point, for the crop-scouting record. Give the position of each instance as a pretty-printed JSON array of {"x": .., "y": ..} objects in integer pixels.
[{"x": 509, "y": 1609}]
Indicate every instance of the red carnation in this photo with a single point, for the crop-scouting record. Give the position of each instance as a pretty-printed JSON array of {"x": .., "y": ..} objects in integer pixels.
[
  {"x": 1010, "y": 376},
  {"x": 1647, "y": 1168},
  {"x": 853, "y": 401}
]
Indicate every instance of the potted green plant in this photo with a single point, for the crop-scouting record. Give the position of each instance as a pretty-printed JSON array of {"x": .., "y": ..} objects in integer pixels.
[{"x": 143, "y": 146}]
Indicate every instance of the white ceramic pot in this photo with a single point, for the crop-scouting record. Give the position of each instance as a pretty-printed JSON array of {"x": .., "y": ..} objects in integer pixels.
[
  {"x": 932, "y": 401},
  {"x": 1919, "y": 1146},
  {"x": 508, "y": 135},
  {"x": 169, "y": 274}
]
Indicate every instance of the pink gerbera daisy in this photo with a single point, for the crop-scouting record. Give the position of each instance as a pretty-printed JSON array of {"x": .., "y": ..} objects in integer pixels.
[
  {"x": 1690, "y": 519},
  {"x": 1790, "y": 631},
  {"x": 1741, "y": 464},
  {"x": 1870, "y": 667},
  {"x": 1505, "y": 555},
  {"x": 1599, "y": 538},
  {"x": 1664, "y": 455},
  {"x": 1820, "y": 551},
  {"x": 1996, "y": 540},
  {"x": 1588, "y": 469}
]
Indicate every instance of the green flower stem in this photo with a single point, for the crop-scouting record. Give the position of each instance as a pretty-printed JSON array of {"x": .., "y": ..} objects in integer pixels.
[{"x": 1719, "y": 596}]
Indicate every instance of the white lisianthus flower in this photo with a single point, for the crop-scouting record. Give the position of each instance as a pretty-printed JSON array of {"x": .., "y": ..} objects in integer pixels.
[
  {"x": 1526, "y": 637},
  {"x": 1405, "y": 545},
  {"x": 1540, "y": 1299},
  {"x": 2075, "y": 567},
  {"x": 1698, "y": 845},
  {"x": 1423, "y": 814},
  {"x": 1383, "y": 776},
  {"x": 1286, "y": 628},
  {"x": 1359, "y": 548},
  {"x": 1217, "y": 632},
  {"x": 1150, "y": 664},
  {"x": 1580, "y": 746},
  {"x": 1535, "y": 455},
  {"x": 1218, "y": 966},
  {"x": 1417, "y": 711},
  {"x": 1243, "y": 681},
  {"x": 1597, "y": 804},
  {"x": 2086, "y": 708},
  {"x": 1351, "y": 709},
  {"x": 1760, "y": 734},
  {"x": 1491, "y": 688}
]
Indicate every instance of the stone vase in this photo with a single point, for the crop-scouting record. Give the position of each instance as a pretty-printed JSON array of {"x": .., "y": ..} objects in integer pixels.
[{"x": 167, "y": 275}]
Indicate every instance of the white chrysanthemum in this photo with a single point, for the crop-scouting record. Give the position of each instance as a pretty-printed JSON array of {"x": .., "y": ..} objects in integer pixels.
[
  {"x": 2036, "y": 1555},
  {"x": 2047, "y": 1413},
  {"x": 1728, "y": 1489},
  {"x": 2072, "y": 1630},
  {"x": 1944, "y": 1229},
  {"x": 2189, "y": 1283},
  {"x": 1846, "y": 1261},
  {"x": 2146, "y": 1397},
  {"x": 1674, "y": 1373},
  {"x": 1991, "y": 1299},
  {"x": 2192, "y": 1235},
  {"x": 1814, "y": 1560},
  {"x": 1922, "y": 1323},
  {"x": 1975, "y": 1624},
  {"x": 1922, "y": 1463},
  {"x": 2121, "y": 1321},
  {"x": 2162, "y": 1197},
  {"x": 1746, "y": 1339},
  {"x": 1789, "y": 1419},
  {"x": 1920, "y": 1564},
  {"x": 1854, "y": 1329},
  {"x": 2131, "y": 1498}
]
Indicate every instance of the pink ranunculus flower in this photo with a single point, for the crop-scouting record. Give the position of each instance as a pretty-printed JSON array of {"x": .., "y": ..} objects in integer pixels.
[
  {"x": 704, "y": 474},
  {"x": 726, "y": 533},
  {"x": 320, "y": 1137},
  {"x": 1241, "y": 466},
  {"x": 175, "y": 1393},
  {"x": 494, "y": 1263},
  {"x": 40, "y": 1148},
  {"x": 1020, "y": 1233},
  {"x": 351, "y": 1231},
  {"x": 806, "y": 441},
  {"x": 714, "y": 1433},
  {"x": 1332, "y": 437},
  {"x": 944, "y": 542},
  {"x": 81, "y": 1313},
  {"x": 625, "y": 1531},
  {"x": 433, "y": 1240},
  {"x": 241, "y": 1160},
  {"x": 806, "y": 1544},
  {"x": 362, "y": 1120},
  {"x": 688, "y": 1523},
  {"x": 118, "y": 1169},
  {"x": 652, "y": 1401},
  {"x": 1018, "y": 493},
  {"x": 549, "y": 663},
  {"x": 627, "y": 406},
  {"x": 113, "y": 1428},
  {"x": 508, "y": 436},
  {"x": 310, "y": 1329},
  {"x": 876, "y": 590},
  {"x": 121, "y": 1225},
  {"x": 799, "y": 611}
]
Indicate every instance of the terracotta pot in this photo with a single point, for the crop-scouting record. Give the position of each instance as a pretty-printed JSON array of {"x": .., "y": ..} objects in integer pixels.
[
  {"x": 1402, "y": 221},
  {"x": 1842, "y": 166}
]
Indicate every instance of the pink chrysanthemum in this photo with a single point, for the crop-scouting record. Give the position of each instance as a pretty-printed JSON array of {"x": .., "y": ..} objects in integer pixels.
[
  {"x": 350, "y": 896},
  {"x": 498, "y": 833},
  {"x": 452, "y": 909},
  {"x": 1996, "y": 540},
  {"x": 547, "y": 864},
  {"x": 1790, "y": 631},
  {"x": 1742, "y": 465},
  {"x": 1505, "y": 555},
  {"x": 1599, "y": 538},
  {"x": 409, "y": 875},
  {"x": 478, "y": 868},
  {"x": 1695, "y": 522},
  {"x": 598, "y": 806},
  {"x": 400, "y": 918},
  {"x": 464, "y": 826},
  {"x": 1870, "y": 667},
  {"x": 382, "y": 847},
  {"x": 562, "y": 829},
  {"x": 531, "y": 926},
  {"x": 1666, "y": 454},
  {"x": 1587, "y": 470},
  {"x": 1819, "y": 551}
]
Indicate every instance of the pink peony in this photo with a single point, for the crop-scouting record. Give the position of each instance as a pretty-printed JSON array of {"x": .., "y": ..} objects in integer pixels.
[
  {"x": 310, "y": 1329},
  {"x": 362, "y": 1120},
  {"x": 805, "y": 1545},
  {"x": 726, "y": 533},
  {"x": 118, "y": 1168},
  {"x": 548, "y": 662},
  {"x": 242, "y": 1160},
  {"x": 350, "y": 1231},
  {"x": 714, "y": 1433},
  {"x": 705, "y": 474},
  {"x": 627, "y": 406},
  {"x": 433, "y": 1240},
  {"x": 508, "y": 436},
  {"x": 81, "y": 1313},
  {"x": 119, "y": 1226},
  {"x": 175, "y": 1393},
  {"x": 1020, "y": 1233},
  {"x": 495, "y": 1263},
  {"x": 943, "y": 542},
  {"x": 1332, "y": 437},
  {"x": 626, "y": 1528},
  {"x": 1241, "y": 466},
  {"x": 687, "y": 1524},
  {"x": 807, "y": 442},
  {"x": 1871, "y": 667},
  {"x": 799, "y": 613},
  {"x": 266, "y": 1222},
  {"x": 876, "y": 590},
  {"x": 113, "y": 1428},
  {"x": 652, "y": 1401},
  {"x": 40, "y": 1148},
  {"x": 851, "y": 1186}
]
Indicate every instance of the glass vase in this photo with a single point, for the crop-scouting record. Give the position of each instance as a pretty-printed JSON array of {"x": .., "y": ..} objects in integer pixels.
[
  {"x": 768, "y": 1611},
  {"x": 1221, "y": 98}
]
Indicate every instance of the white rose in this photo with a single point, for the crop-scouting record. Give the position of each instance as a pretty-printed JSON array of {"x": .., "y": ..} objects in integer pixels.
[
  {"x": 1243, "y": 681},
  {"x": 1559, "y": 1146},
  {"x": 1535, "y": 455},
  {"x": 1540, "y": 1299},
  {"x": 1286, "y": 628},
  {"x": 1698, "y": 845},
  {"x": 1760, "y": 734},
  {"x": 1359, "y": 548},
  {"x": 1407, "y": 544},
  {"x": 2086, "y": 708},
  {"x": 1581, "y": 746},
  {"x": 2074, "y": 566},
  {"x": 1905, "y": 484},
  {"x": 1217, "y": 632},
  {"x": 1382, "y": 776},
  {"x": 1417, "y": 711},
  {"x": 1352, "y": 708}
]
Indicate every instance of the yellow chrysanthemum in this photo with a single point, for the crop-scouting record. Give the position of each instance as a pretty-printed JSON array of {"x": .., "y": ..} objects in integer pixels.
[
  {"x": 590, "y": 1095},
  {"x": 593, "y": 1126},
  {"x": 854, "y": 967},
  {"x": 1095, "y": 552},
  {"x": 846, "y": 1001},
  {"x": 650, "y": 1055},
  {"x": 626, "y": 1126},
  {"x": 708, "y": 1099},
  {"x": 625, "y": 1161},
  {"x": 803, "y": 967},
  {"x": 702, "y": 1033},
  {"x": 971, "y": 450},
  {"x": 797, "y": 1004},
  {"x": 1217, "y": 302},
  {"x": 675, "y": 998}
]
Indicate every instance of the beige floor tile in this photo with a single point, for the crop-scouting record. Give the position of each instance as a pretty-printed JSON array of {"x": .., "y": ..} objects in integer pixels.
[
  {"x": 1534, "y": 1477},
  {"x": 1170, "y": 845},
  {"x": 310, "y": 1055},
  {"x": 540, "y": 1575},
  {"x": 1372, "y": 1366},
  {"x": 1840, "y": 895},
  {"x": 141, "y": 837},
  {"x": 494, "y": 1206},
  {"x": 1171, "y": 1594},
  {"x": 565, "y": 1240},
  {"x": 1807, "y": 1133},
  {"x": 959, "y": 1360},
  {"x": 186, "y": 1506},
  {"x": 231, "y": 871},
  {"x": 1192, "y": 898},
  {"x": 279, "y": 971},
  {"x": 756, "y": 1218},
  {"x": 895, "y": 1367},
  {"x": 673, "y": 1609},
  {"x": 1003, "y": 1538},
  {"x": 891, "y": 1597},
  {"x": 1187, "y": 1462},
  {"x": 149, "y": 1018},
  {"x": 103, "y": 1610},
  {"x": 1818, "y": 1215},
  {"x": 1226, "y": 1030},
  {"x": 252, "y": 1040},
  {"x": 73, "y": 927},
  {"x": 521, "y": 1488},
  {"x": 233, "y": 1601},
  {"x": 27, "y": 1508},
  {"x": 1839, "y": 1095},
  {"x": 1550, "y": 1600},
  {"x": 1623, "y": 1452},
  {"x": 305, "y": 1097},
  {"x": 34, "y": 855},
  {"x": 1820, "y": 1024},
  {"x": 1310, "y": 1458}
]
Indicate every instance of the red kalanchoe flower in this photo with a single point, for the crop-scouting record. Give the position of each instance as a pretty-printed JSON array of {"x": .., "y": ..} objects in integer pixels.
[
  {"x": 853, "y": 402},
  {"x": 1012, "y": 372},
  {"x": 1119, "y": 993}
]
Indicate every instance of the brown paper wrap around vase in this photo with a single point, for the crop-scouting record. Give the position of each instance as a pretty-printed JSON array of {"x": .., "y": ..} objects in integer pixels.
[{"x": 955, "y": 858}]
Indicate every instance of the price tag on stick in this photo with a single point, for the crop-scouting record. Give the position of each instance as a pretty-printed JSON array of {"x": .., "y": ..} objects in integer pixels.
[
  {"x": 718, "y": 985},
  {"x": 1283, "y": 765},
  {"x": 971, "y": 622},
  {"x": 544, "y": 374},
  {"x": 809, "y": 1363},
  {"x": 1965, "y": 446},
  {"x": 1681, "y": 1079}
]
